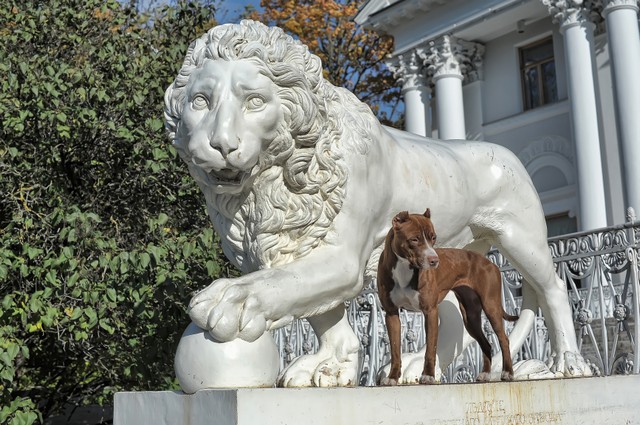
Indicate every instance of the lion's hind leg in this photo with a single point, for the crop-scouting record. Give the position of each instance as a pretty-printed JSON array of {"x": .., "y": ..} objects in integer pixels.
[
  {"x": 525, "y": 245},
  {"x": 335, "y": 364}
]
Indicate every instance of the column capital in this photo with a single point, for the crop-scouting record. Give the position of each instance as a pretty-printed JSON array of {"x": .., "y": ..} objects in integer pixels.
[
  {"x": 570, "y": 13},
  {"x": 611, "y": 5},
  {"x": 409, "y": 70},
  {"x": 453, "y": 57}
]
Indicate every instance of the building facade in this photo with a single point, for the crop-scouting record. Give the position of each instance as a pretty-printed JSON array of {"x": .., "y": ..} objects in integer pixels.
[{"x": 555, "y": 81}]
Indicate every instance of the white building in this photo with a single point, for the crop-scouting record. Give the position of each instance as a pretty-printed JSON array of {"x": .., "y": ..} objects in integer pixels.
[{"x": 556, "y": 81}]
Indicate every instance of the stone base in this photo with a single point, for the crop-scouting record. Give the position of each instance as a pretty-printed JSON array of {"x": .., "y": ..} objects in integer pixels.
[{"x": 584, "y": 401}]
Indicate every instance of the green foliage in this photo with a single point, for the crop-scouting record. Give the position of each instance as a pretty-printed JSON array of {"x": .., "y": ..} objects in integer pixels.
[{"x": 103, "y": 235}]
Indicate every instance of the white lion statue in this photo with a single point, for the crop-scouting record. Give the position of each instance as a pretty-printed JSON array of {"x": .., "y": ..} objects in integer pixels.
[{"x": 301, "y": 182}]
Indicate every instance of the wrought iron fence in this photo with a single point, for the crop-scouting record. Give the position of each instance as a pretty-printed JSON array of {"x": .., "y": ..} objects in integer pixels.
[{"x": 601, "y": 271}]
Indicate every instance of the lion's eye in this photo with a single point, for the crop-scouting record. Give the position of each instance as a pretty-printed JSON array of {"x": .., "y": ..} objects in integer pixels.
[
  {"x": 199, "y": 102},
  {"x": 255, "y": 103}
]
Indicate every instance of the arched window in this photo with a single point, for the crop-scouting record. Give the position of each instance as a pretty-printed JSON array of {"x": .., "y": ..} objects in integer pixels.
[{"x": 549, "y": 162}]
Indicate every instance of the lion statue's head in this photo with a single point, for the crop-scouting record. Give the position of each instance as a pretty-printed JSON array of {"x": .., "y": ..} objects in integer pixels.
[{"x": 265, "y": 137}]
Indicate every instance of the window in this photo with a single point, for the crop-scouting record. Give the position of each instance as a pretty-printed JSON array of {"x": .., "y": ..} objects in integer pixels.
[
  {"x": 561, "y": 224},
  {"x": 538, "y": 72}
]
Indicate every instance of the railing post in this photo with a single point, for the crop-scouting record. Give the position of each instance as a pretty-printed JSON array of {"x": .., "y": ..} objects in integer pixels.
[{"x": 632, "y": 255}]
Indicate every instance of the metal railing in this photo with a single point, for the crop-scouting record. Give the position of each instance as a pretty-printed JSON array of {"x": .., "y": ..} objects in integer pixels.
[{"x": 601, "y": 271}]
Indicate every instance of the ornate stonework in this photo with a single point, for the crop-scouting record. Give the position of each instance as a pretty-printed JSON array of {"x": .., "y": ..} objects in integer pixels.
[
  {"x": 409, "y": 70},
  {"x": 611, "y": 5},
  {"x": 575, "y": 12},
  {"x": 450, "y": 56},
  {"x": 565, "y": 12}
]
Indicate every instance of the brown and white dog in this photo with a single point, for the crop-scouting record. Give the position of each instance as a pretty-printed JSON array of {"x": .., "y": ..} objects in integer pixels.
[{"x": 414, "y": 275}]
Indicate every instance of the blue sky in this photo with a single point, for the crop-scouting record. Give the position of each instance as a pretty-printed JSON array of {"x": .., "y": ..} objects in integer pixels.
[{"x": 229, "y": 10}]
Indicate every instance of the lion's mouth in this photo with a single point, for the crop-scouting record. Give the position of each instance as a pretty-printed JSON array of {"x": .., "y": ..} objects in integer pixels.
[{"x": 227, "y": 176}]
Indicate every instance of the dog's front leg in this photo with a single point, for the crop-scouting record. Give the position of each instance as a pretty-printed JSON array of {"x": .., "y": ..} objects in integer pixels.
[
  {"x": 431, "y": 328},
  {"x": 392, "y": 319}
]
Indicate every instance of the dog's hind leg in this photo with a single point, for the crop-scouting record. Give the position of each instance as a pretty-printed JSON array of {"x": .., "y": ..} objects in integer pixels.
[
  {"x": 491, "y": 284},
  {"x": 470, "y": 304},
  {"x": 507, "y": 364}
]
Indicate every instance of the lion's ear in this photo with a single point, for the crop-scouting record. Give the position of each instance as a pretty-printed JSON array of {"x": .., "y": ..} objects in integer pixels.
[
  {"x": 401, "y": 217},
  {"x": 427, "y": 213}
]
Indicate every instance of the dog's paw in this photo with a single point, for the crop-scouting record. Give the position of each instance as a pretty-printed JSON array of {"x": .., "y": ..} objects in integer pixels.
[
  {"x": 483, "y": 377},
  {"x": 388, "y": 382},
  {"x": 427, "y": 380},
  {"x": 506, "y": 376}
]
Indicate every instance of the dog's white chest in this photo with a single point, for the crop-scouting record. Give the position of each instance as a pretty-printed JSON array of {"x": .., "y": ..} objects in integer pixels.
[{"x": 402, "y": 295}]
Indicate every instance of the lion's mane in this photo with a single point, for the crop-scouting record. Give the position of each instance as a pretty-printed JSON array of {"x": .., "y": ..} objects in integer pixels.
[{"x": 300, "y": 178}]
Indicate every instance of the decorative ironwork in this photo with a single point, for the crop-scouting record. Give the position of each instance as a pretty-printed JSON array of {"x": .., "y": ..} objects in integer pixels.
[{"x": 601, "y": 271}]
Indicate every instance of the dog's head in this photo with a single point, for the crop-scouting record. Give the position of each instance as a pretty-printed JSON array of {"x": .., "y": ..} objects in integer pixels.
[{"x": 413, "y": 239}]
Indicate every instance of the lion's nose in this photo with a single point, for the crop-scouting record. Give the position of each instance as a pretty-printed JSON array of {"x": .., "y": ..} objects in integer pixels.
[
  {"x": 222, "y": 124},
  {"x": 224, "y": 138},
  {"x": 225, "y": 145}
]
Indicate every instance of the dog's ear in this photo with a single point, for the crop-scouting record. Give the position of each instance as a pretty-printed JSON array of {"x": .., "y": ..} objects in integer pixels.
[
  {"x": 427, "y": 213},
  {"x": 401, "y": 217}
]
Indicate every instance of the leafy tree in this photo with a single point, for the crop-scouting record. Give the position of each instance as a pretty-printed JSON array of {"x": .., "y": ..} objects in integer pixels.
[
  {"x": 103, "y": 235},
  {"x": 352, "y": 56}
]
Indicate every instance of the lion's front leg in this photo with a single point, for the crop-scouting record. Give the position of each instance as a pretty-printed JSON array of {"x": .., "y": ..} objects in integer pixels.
[
  {"x": 247, "y": 306},
  {"x": 236, "y": 308},
  {"x": 335, "y": 363}
]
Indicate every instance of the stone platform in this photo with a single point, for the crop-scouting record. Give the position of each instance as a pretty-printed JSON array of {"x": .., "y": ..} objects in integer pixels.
[{"x": 612, "y": 400}]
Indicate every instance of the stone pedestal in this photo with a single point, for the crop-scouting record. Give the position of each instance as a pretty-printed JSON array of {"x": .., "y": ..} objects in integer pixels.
[{"x": 584, "y": 401}]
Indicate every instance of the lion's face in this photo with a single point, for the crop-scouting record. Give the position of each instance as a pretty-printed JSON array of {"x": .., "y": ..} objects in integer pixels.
[{"x": 231, "y": 114}]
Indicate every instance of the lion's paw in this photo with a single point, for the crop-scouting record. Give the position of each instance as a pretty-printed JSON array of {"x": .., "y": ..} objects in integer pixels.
[
  {"x": 533, "y": 369},
  {"x": 315, "y": 370},
  {"x": 412, "y": 367},
  {"x": 569, "y": 364},
  {"x": 229, "y": 310}
]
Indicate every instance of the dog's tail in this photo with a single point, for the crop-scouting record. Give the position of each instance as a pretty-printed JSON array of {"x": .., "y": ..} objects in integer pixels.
[{"x": 508, "y": 317}]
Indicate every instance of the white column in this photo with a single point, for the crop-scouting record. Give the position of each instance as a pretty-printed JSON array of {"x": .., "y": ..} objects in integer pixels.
[
  {"x": 472, "y": 91},
  {"x": 578, "y": 44},
  {"x": 452, "y": 61},
  {"x": 409, "y": 70},
  {"x": 450, "y": 106},
  {"x": 442, "y": 59},
  {"x": 624, "y": 46}
]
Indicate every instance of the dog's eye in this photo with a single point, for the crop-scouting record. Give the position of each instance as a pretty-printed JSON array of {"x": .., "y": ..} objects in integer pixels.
[
  {"x": 199, "y": 102},
  {"x": 414, "y": 241}
]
